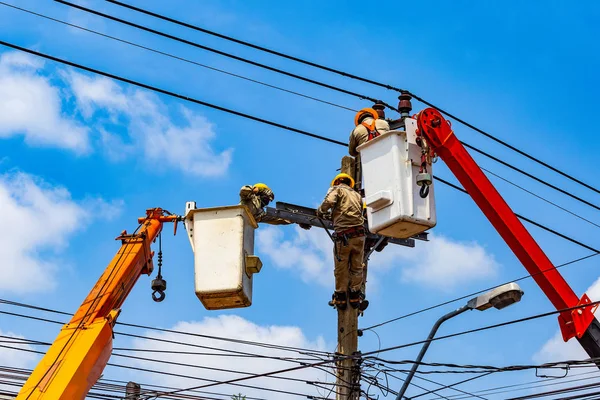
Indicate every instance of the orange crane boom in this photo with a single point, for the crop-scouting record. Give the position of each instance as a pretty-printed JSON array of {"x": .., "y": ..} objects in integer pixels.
[{"x": 77, "y": 357}]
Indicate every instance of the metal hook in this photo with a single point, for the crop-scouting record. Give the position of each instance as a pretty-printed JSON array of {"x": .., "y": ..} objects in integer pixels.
[
  {"x": 424, "y": 192},
  {"x": 158, "y": 298}
]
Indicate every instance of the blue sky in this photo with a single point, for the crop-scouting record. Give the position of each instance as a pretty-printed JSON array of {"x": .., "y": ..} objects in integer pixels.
[{"x": 84, "y": 157}]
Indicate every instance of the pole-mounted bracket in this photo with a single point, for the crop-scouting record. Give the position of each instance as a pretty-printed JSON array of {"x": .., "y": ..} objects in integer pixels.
[{"x": 574, "y": 323}]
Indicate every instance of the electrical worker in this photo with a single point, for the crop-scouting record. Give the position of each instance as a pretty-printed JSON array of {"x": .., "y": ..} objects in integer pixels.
[
  {"x": 346, "y": 207},
  {"x": 256, "y": 198},
  {"x": 369, "y": 123}
]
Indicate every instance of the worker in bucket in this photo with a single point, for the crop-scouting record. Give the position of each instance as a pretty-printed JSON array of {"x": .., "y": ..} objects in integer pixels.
[
  {"x": 256, "y": 198},
  {"x": 346, "y": 208},
  {"x": 369, "y": 123}
]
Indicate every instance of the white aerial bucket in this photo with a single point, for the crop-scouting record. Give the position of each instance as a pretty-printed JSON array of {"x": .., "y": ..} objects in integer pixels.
[
  {"x": 390, "y": 164},
  {"x": 222, "y": 240}
]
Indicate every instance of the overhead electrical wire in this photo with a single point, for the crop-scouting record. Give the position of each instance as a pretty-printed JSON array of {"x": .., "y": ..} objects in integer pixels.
[
  {"x": 540, "y": 197},
  {"x": 529, "y": 385},
  {"x": 562, "y": 391},
  {"x": 20, "y": 375},
  {"x": 422, "y": 310},
  {"x": 213, "y": 382},
  {"x": 312, "y": 81},
  {"x": 204, "y": 336},
  {"x": 251, "y": 117},
  {"x": 325, "y": 102},
  {"x": 480, "y": 329},
  {"x": 162, "y": 340},
  {"x": 356, "y": 77},
  {"x": 213, "y": 50},
  {"x": 462, "y": 392},
  {"x": 186, "y": 60}
]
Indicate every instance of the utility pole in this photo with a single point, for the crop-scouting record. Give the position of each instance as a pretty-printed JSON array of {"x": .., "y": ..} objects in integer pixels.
[{"x": 348, "y": 375}]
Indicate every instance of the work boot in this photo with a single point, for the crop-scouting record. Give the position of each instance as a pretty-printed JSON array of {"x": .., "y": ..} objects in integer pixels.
[
  {"x": 355, "y": 297},
  {"x": 338, "y": 300}
]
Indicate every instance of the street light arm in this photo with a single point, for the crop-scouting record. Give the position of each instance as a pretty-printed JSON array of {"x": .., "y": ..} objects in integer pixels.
[{"x": 434, "y": 330}]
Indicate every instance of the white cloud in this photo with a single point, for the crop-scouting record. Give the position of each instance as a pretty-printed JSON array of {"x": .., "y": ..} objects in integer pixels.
[
  {"x": 125, "y": 122},
  {"x": 31, "y": 106},
  {"x": 445, "y": 264},
  {"x": 235, "y": 327},
  {"x": 555, "y": 349},
  {"x": 441, "y": 263},
  {"x": 185, "y": 146},
  {"x": 16, "y": 358},
  {"x": 36, "y": 221},
  {"x": 309, "y": 253}
]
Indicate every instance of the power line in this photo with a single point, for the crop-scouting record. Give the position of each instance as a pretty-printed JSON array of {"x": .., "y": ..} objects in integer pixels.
[
  {"x": 300, "y": 350},
  {"x": 529, "y": 385},
  {"x": 213, "y": 382},
  {"x": 104, "y": 383},
  {"x": 356, "y": 77},
  {"x": 177, "y": 57},
  {"x": 221, "y": 53},
  {"x": 540, "y": 197},
  {"x": 475, "y": 293},
  {"x": 483, "y": 328},
  {"x": 531, "y": 176},
  {"x": 571, "y": 389},
  {"x": 257, "y": 119},
  {"x": 172, "y": 94}
]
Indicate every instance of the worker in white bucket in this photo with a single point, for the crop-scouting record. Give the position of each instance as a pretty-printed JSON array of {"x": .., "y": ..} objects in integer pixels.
[
  {"x": 369, "y": 123},
  {"x": 346, "y": 208},
  {"x": 256, "y": 198}
]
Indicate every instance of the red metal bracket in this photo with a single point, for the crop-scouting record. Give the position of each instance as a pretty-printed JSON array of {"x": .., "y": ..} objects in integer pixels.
[{"x": 575, "y": 322}]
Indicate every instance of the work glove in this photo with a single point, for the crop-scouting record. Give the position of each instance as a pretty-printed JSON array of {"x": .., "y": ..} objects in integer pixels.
[{"x": 305, "y": 226}]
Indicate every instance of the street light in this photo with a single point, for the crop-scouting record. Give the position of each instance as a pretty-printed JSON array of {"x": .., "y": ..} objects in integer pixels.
[{"x": 499, "y": 298}]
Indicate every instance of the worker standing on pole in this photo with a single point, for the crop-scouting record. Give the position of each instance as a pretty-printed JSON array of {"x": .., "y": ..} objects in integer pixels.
[
  {"x": 369, "y": 123},
  {"x": 256, "y": 198},
  {"x": 346, "y": 208}
]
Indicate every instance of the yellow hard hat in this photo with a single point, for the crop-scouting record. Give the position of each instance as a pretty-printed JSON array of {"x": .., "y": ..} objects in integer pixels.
[
  {"x": 364, "y": 111},
  {"x": 264, "y": 189},
  {"x": 340, "y": 176}
]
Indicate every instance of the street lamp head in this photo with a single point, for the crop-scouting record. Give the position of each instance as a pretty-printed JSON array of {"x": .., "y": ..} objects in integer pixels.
[{"x": 499, "y": 298}]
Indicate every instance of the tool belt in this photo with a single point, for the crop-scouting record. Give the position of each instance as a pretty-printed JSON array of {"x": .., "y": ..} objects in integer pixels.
[{"x": 343, "y": 236}]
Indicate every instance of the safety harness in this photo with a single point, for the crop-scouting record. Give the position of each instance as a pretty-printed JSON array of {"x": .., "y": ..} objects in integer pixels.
[{"x": 372, "y": 129}]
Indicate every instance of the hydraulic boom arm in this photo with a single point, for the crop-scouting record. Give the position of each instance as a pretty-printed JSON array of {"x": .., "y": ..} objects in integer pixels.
[
  {"x": 579, "y": 323},
  {"x": 76, "y": 359}
]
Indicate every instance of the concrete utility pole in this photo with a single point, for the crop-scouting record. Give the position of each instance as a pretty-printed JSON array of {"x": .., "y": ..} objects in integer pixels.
[{"x": 348, "y": 375}]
